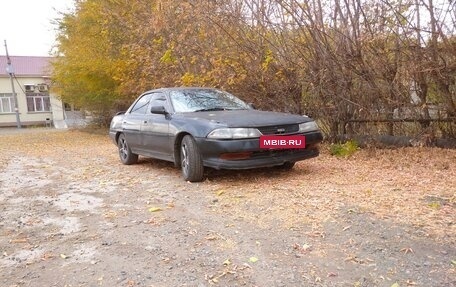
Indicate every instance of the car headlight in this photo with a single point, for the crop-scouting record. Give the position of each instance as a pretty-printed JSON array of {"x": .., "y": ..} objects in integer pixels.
[
  {"x": 234, "y": 133},
  {"x": 308, "y": 127}
]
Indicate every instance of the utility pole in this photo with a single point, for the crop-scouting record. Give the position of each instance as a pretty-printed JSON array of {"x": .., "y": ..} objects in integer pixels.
[{"x": 10, "y": 71}]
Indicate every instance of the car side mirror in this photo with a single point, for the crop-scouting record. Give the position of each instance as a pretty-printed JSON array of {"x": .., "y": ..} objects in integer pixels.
[{"x": 158, "y": 110}]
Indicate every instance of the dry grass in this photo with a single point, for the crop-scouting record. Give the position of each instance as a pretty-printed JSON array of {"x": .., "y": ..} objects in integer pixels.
[{"x": 413, "y": 186}]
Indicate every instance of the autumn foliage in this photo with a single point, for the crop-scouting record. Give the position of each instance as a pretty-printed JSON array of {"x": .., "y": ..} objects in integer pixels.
[{"x": 346, "y": 63}]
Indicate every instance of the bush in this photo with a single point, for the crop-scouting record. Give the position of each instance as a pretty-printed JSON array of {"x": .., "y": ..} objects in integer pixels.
[{"x": 344, "y": 150}]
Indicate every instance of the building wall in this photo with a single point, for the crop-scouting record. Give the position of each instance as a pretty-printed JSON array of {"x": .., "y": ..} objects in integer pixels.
[{"x": 26, "y": 117}]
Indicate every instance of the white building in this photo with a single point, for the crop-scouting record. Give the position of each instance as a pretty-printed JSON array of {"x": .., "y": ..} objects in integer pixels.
[{"x": 37, "y": 104}]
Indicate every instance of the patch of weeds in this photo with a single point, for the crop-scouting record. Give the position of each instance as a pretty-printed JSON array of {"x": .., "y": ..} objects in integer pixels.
[
  {"x": 344, "y": 149},
  {"x": 436, "y": 202},
  {"x": 434, "y": 205}
]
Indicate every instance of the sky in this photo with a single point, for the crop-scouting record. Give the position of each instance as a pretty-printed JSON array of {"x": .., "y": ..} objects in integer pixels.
[{"x": 26, "y": 25}]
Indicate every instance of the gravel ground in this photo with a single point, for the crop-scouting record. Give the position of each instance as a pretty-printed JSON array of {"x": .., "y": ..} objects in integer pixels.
[{"x": 72, "y": 215}]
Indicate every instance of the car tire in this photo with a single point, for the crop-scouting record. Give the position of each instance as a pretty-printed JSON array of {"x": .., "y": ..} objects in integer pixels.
[
  {"x": 125, "y": 154},
  {"x": 286, "y": 166},
  {"x": 191, "y": 161}
]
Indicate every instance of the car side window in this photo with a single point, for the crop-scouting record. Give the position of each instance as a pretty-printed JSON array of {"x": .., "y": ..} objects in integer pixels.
[{"x": 141, "y": 105}]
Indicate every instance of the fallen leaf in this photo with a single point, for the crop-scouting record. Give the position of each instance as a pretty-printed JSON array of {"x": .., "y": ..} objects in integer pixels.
[
  {"x": 20, "y": 240},
  {"x": 407, "y": 250},
  {"x": 253, "y": 259},
  {"x": 63, "y": 256},
  {"x": 226, "y": 262},
  {"x": 211, "y": 237},
  {"x": 155, "y": 209},
  {"x": 110, "y": 214},
  {"x": 47, "y": 256},
  {"x": 395, "y": 285},
  {"x": 306, "y": 247},
  {"x": 302, "y": 248}
]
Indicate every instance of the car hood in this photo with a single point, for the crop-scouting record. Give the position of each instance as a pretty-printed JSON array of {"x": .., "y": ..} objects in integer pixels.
[{"x": 247, "y": 118}]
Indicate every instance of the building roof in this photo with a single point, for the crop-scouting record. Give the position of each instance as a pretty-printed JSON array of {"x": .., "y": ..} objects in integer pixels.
[{"x": 33, "y": 66}]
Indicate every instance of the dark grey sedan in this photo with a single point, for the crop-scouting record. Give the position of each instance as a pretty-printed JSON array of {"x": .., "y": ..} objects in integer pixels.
[{"x": 205, "y": 127}]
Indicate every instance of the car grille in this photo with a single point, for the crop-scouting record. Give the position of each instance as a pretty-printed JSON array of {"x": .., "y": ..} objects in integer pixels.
[{"x": 279, "y": 129}]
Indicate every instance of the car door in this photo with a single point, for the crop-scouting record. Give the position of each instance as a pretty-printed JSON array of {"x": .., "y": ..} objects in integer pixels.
[
  {"x": 155, "y": 129},
  {"x": 132, "y": 121}
]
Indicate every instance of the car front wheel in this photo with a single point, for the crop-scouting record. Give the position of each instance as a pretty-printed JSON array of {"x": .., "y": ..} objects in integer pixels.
[
  {"x": 191, "y": 161},
  {"x": 125, "y": 154}
]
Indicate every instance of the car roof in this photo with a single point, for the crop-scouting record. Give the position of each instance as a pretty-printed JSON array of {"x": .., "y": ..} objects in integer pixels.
[{"x": 181, "y": 89}]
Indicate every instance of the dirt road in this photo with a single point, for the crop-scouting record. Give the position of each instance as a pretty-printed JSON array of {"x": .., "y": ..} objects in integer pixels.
[{"x": 72, "y": 215}]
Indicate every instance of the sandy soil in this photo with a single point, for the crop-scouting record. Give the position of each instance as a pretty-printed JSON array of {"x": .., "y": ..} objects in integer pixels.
[{"x": 72, "y": 215}]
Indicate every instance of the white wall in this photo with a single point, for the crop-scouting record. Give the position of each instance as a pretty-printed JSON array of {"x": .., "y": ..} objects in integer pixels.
[{"x": 26, "y": 117}]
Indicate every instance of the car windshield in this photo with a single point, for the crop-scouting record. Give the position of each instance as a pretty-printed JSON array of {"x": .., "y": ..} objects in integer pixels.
[{"x": 199, "y": 100}]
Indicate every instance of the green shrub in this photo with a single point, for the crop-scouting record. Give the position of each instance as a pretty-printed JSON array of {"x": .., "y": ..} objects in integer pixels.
[{"x": 344, "y": 150}]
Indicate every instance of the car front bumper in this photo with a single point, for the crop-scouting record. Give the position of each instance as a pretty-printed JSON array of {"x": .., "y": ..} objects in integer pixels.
[
  {"x": 113, "y": 136},
  {"x": 213, "y": 152}
]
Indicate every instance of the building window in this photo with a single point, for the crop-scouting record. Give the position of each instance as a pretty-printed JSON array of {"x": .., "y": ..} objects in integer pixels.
[
  {"x": 6, "y": 103},
  {"x": 38, "y": 102}
]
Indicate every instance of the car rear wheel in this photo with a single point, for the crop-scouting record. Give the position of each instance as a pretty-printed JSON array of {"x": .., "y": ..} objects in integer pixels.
[
  {"x": 125, "y": 154},
  {"x": 191, "y": 161}
]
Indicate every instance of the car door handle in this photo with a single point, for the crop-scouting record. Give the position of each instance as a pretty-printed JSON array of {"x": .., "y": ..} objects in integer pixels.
[{"x": 144, "y": 122}]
